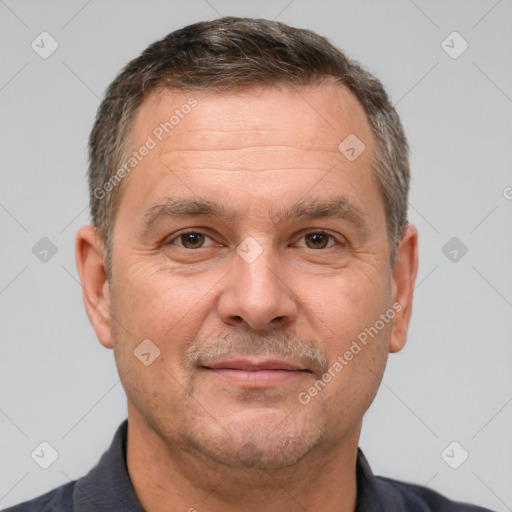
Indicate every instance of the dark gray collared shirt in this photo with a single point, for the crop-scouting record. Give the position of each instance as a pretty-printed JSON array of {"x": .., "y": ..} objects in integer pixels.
[{"x": 107, "y": 487}]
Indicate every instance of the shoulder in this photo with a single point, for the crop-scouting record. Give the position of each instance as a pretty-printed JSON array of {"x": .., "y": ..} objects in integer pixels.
[
  {"x": 59, "y": 499},
  {"x": 416, "y": 498}
]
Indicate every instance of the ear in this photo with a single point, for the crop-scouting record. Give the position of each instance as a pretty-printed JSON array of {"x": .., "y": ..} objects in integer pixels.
[
  {"x": 404, "y": 277},
  {"x": 93, "y": 277}
]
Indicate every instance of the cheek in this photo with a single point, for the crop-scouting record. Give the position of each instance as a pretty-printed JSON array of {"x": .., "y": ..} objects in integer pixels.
[
  {"x": 147, "y": 297},
  {"x": 352, "y": 303},
  {"x": 152, "y": 323},
  {"x": 356, "y": 339},
  {"x": 162, "y": 306}
]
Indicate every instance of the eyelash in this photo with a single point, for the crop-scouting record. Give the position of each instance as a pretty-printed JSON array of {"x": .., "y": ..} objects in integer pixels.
[{"x": 316, "y": 232}]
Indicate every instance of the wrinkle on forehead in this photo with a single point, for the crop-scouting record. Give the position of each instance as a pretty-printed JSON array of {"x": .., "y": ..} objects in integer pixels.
[
  {"x": 307, "y": 118},
  {"x": 294, "y": 132}
]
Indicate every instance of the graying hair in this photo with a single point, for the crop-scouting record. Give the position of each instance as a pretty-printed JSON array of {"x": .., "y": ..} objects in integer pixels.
[{"x": 230, "y": 53}]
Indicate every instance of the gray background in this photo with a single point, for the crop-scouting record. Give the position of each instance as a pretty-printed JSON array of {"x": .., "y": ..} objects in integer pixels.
[{"x": 452, "y": 382}]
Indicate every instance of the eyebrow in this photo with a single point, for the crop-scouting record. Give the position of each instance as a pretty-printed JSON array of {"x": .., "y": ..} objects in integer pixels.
[
  {"x": 336, "y": 207},
  {"x": 181, "y": 208}
]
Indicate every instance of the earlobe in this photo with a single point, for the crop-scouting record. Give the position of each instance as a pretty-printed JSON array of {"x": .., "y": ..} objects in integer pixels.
[
  {"x": 93, "y": 278},
  {"x": 404, "y": 277}
]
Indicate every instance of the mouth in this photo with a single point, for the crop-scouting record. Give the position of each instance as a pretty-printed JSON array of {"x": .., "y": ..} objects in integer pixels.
[{"x": 251, "y": 373}]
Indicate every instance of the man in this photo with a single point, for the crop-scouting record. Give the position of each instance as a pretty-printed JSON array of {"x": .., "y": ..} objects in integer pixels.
[{"x": 251, "y": 265}]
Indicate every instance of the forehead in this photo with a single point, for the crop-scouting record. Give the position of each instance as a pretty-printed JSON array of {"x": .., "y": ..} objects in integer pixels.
[
  {"x": 278, "y": 137},
  {"x": 316, "y": 117}
]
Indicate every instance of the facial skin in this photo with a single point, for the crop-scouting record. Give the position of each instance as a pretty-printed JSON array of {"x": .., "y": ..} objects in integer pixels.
[{"x": 231, "y": 439}]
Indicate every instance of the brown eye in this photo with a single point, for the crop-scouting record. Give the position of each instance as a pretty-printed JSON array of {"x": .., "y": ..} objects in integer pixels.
[
  {"x": 317, "y": 240},
  {"x": 191, "y": 240}
]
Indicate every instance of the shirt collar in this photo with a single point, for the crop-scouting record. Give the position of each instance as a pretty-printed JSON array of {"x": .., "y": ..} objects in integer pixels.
[{"x": 107, "y": 486}]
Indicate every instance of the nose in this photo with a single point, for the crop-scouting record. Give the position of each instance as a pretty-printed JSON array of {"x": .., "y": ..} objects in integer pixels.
[{"x": 257, "y": 294}]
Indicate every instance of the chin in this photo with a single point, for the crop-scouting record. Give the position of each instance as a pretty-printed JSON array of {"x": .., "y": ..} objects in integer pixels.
[{"x": 264, "y": 439}]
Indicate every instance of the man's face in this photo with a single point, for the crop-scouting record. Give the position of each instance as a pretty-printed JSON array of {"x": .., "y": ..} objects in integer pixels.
[{"x": 252, "y": 307}]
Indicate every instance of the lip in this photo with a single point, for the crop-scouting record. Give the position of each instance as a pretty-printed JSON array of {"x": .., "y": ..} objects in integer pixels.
[
  {"x": 253, "y": 365},
  {"x": 256, "y": 374}
]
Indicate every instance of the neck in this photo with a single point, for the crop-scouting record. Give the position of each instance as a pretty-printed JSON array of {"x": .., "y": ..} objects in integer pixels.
[{"x": 325, "y": 479}]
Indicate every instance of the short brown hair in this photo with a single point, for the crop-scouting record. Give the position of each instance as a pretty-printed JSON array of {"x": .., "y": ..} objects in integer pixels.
[{"x": 228, "y": 53}]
